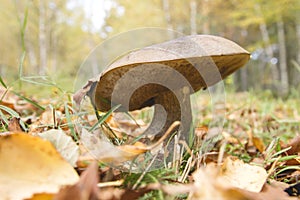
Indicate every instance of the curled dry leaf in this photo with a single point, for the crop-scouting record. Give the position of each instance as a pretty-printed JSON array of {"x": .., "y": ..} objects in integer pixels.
[
  {"x": 30, "y": 165},
  {"x": 63, "y": 143},
  {"x": 79, "y": 95}
]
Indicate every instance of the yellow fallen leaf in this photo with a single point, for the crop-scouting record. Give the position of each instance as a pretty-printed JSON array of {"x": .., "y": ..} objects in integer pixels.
[
  {"x": 235, "y": 180},
  {"x": 243, "y": 175},
  {"x": 31, "y": 165}
]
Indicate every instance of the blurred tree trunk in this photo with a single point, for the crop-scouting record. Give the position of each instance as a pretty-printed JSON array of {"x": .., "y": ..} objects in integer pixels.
[
  {"x": 298, "y": 38},
  {"x": 204, "y": 16},
  {"x": 284, "y": 82},
  {"x": 296, "y": 77},
  {"x": 53, "y": 38},
  {"x": 166, "y": 8},
  {"x": 54, "y": 53},
  {"x": 193, "y": 16},
  {"x": 42, "y": 39},
  {"x": 33, "y": 61},
  {"x": 269, "y": 51},
  {"x": 268, "y": 48}
]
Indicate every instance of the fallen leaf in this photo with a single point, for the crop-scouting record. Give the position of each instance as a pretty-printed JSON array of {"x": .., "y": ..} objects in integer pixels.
[
  {"x": 42, "y": 196},
  {"x": 122, "y": 125},
  {"x": 122, "y": 194},
  {"x": 7, "y": 104},
  {"x": 30, "y": 165},
  {"x": 295, "y": 146},
  {"x": 211, "y": 184},
  {"x": 14, "y": 125},
  {"x": 47, "y": 120},
  {"x": 259, "y": 144},
  {"x": 242, "y": 175},
  {"x": 104, "y": 151},
  {"x": 255, "y": 142},
  {"x": 63, "y": 143},
  {"x": 85, "y": 189}
]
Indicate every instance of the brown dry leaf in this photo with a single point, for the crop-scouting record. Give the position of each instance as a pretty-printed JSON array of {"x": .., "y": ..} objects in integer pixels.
[
  {"x": 85, "y": 90},
  {"x": 47, "y": 120},
  {"x": 122, "y": 125},
  {"x": 7, "y": 104},
  {"x": 7, "y": 98},
  {"x": 122, "y": 194},
  {"x": 14, "y": 102},
  {"x": 30, "y": 165},
  {"x": 50, "y": 119},
  {"x": 229, "y": 138},
  {"x": 274, "y": 192},
  {"x": 295, "y": 146},
  {"x": 14, "y": 125},
  {"x": 85, "y": 189}
]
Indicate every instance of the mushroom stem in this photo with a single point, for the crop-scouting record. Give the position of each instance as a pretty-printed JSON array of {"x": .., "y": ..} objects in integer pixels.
[{"x": 170, "y": 107}]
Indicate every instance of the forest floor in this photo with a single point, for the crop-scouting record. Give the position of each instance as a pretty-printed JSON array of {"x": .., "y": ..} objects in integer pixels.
[{"x": 253, "y": 155}]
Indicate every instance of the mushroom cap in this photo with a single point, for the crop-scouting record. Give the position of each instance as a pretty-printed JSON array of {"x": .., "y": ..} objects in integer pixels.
[{"x": 202, "y": 60}]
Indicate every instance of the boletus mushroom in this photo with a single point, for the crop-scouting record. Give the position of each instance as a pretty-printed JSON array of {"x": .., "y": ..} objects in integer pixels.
[{"x": 164, "y": 75}]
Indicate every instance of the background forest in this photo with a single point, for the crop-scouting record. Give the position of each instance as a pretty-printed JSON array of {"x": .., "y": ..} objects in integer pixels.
[{"x": 53, "y": 37}]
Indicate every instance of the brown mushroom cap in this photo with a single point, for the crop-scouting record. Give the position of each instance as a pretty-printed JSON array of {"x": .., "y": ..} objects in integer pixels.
[{"x": 188, "y": 55}]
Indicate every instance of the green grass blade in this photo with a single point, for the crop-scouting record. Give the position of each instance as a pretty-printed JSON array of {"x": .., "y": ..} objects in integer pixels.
[
  {"x": 285, "y": 158},
  {"x": 3, "y": 117},
  {"x": 21, "y": 66},
  {"x": 14, "y": 114},
  {"x": 104, "y": 117},
  {"x": 3, "y": 95},
  {"x": 23, "y": 28},
  {"x": 287, "y": 168},
  {"x": 70, "y": 124},
  {"x": 280, "y": 152},
  {"x": 10, "y": 111},
  {"x": 30, "y": 101},
  {"x": 2, "y": 82}
]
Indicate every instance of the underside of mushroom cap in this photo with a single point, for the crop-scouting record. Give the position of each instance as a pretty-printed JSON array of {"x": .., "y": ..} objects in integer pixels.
[{"x": 202, "y": 60}]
